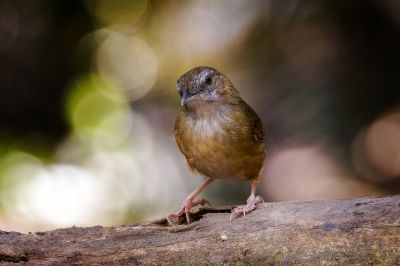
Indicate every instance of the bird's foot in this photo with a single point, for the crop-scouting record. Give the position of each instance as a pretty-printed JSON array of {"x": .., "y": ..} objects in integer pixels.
[
  {"x": 174, "y": 218},
  {"x": 252, "y": 201}
]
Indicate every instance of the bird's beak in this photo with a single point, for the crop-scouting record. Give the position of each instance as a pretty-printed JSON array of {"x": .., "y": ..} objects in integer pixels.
[{"x": 186, "y": 96}]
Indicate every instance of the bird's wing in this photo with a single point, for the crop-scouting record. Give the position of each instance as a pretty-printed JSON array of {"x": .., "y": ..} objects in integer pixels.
[{"x": 256, "y": 127}]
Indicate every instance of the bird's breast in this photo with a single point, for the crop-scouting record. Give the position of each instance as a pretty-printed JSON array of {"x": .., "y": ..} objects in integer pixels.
[
  {"x": 205, "y": 128},
  {"x": 214, "y": 145}
]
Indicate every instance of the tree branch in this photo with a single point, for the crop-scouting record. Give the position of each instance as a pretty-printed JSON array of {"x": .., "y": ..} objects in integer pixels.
[{"x": 364, "y": 230}]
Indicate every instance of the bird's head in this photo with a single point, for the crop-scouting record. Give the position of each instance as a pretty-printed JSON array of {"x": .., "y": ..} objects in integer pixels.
[{"x": 204, "y": 85}]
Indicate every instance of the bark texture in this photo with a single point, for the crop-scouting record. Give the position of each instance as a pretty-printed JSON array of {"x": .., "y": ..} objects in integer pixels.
[{"x": 361, "y": 231}]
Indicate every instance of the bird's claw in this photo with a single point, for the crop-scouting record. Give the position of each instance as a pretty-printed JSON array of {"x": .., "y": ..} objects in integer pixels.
[
  {"x": 185, "y": 209},
  {"x": 249, "y": 207}
]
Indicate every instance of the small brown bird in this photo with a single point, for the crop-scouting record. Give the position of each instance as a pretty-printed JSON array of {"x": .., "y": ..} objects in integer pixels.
[{"x": 220, "y": 135}]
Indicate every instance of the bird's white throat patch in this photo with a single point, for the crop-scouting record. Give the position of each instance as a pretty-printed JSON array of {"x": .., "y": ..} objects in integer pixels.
[{"x": 207, "y": 127}]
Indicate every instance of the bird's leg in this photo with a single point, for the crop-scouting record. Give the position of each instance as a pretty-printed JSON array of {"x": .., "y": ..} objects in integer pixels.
[
  {"x": 252, "y": 201},
  {"x": 189, "y": 202}
]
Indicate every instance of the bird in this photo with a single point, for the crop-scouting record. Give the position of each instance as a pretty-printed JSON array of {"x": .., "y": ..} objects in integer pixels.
[{"x": 219, "y": 134}]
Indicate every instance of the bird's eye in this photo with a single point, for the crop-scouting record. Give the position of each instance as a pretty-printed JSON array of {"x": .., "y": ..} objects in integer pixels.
[{"x": 209, "y": 81}]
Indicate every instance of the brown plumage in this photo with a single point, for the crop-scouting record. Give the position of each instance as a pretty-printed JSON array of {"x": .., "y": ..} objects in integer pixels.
[{"x": 220, "y": 135}]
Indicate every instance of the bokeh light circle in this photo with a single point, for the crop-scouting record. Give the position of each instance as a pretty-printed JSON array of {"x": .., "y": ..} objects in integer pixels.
[{"x": 128, "y": 61}]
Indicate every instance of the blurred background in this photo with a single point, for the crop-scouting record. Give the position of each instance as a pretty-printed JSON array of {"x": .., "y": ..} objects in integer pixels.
[{"x": 88, "y": 102}]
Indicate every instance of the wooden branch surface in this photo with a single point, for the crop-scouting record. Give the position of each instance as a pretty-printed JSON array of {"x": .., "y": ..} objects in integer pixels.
[{"x": 361, "y": 231}]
